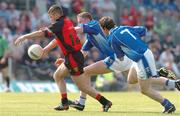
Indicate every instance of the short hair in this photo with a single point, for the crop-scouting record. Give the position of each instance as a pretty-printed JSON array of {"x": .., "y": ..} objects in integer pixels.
[
  {"x": 55, "y": 9},
  {"x": 107, "y": 22},
  {"x": 85, "y": 15}
]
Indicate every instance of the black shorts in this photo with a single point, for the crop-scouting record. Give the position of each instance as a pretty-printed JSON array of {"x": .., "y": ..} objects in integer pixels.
[
  {"x": 75, "y": 63},
  {"x": 2, "y": 66}
]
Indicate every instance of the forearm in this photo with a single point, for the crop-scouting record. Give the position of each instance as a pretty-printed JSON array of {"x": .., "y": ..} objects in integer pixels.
[
  {"x": 79, "y": 29},
  {"x": 35, "y": 35},
  {"x": 50, "y": 46}
]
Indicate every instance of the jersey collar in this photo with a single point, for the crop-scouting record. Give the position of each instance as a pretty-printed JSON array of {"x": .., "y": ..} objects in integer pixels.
[
  {"x": 60, "y": 17},
  {"x": 111, "y": 30}
]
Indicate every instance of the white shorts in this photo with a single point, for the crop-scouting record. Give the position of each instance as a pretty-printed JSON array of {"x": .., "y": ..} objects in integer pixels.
[
  {"x": 114, "y": 64},
  {"x": 146, "y": 66}
]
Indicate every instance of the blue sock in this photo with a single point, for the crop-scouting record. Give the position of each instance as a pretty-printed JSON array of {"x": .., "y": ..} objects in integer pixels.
[{"x": 166, "y": 103}]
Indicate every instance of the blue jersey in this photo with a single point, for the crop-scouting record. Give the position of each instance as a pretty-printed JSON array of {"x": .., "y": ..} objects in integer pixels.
[
  {"x": 127, "y": 39},
  {"x": 95, "y": 37}
]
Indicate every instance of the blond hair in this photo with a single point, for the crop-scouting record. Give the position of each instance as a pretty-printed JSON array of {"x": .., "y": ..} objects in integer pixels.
[{"x": 55, "y": 9}]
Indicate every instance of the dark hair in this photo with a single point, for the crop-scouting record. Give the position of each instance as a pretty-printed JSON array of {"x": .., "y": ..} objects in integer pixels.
[
  {"x": 107, "y": 22},
  {"x": 55, "y": 8},
  {"x": 85, "y": 15}
]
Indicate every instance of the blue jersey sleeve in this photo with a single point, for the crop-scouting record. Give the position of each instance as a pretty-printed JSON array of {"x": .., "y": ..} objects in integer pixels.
[
  {"x": 141, "y": 30},
  {"x": 89, "y": 29},
  {"x": 87, "y": 46},
  {"x": 115, "y": 44}
]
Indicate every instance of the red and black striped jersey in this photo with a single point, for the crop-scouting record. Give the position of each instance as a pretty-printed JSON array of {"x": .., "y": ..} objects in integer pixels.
[{"x": 65, "y": 34}]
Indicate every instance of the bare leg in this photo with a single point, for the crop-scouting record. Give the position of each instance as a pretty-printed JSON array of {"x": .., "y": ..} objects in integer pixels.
[
  {"x": 163, "y": 81},
  {"x": 132, "y": 76},
  {"x": 94, "y": 69},
  {"x": 145, "y": 86},
  {"x": 81, "y": 81},
  {"x": 159, "y": 80},
  {"x": 59, "y": 75}
]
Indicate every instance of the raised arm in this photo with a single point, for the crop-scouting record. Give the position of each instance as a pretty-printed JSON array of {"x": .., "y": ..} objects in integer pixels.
[
  {"x": 34, "y": 35},
  {"x": 84, "y": 28}
]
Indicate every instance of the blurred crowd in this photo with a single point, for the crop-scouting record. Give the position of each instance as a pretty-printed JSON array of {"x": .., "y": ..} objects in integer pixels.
[{"x": 161, "y": 17}]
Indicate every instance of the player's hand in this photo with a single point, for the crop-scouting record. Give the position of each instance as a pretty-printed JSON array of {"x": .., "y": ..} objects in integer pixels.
[
  {"x": 19, "y": 40},
  {"x": 3, "y": 61},
  {"x": 59, "y": 61}
]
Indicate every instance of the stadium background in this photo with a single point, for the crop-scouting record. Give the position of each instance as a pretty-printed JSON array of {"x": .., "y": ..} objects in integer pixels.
[{"x": 17, "y": 17}]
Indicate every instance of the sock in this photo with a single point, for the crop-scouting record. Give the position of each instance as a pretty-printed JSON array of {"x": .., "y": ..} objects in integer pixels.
[
  {"x": 64, "y": 99},
  {"x": 82, "y": 100},
  {"x": 8, "y": 81},
  {"x": 170, "y": 84},
  {"x": 166, "y": 103},
  {"x": 101, "y": 99}
]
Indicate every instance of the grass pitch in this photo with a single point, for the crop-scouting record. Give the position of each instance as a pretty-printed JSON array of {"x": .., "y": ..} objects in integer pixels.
[{"x": 124, "y": 104}]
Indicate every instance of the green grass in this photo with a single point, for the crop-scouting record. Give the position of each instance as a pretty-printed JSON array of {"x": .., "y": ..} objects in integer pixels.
[{"x": 124, "y": 104}]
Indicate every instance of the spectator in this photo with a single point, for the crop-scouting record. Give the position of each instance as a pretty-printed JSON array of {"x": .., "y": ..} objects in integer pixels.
[
  {"x": 4, "y": 12},
  {"x": 167, "y": 60},
  {"x": 66, "y": 3},
  {"x": 7, "y": 34},
  {"x": 134, "y": 16},
  {"x": 14, "y": 13},
  {"x": 3, "y": 24},
  {"x": 124, "y": 18},
  {"x": 25, "y": 22},
  {"x": 168, "y": 42},
  {"x": 176, "y": 56},
  {"x": 4, "y": 62},
  {"x": 108, "y": 8},
  {"x": 13, "y": 25},
  {"x": 172, "y": 6},
  {"x": 149, "y": 20},
  {"x": 160, "y": 5},
  {"x": 35, "y": 17},
  {"x": 155, "y": 47},
  {"x": 77, "y": 6},
  {"x": 94, "y": 9}
]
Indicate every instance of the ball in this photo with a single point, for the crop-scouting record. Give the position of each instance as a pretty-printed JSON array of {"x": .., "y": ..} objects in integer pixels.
[{"x": 35, "y": 51}]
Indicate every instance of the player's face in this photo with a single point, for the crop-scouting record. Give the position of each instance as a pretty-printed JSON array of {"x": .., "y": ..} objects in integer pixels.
[
  {"x": 81, "y": 20},
  {"x": 52, "y": 18}
]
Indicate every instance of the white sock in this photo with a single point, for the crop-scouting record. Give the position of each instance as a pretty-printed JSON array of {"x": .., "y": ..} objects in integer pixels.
[
  {"x": 82, "y": 100},
  {"x": 170, "y": 84}
]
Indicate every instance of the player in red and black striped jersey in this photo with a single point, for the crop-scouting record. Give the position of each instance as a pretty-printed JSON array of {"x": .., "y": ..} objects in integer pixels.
[{"x": 66, "y": 38}]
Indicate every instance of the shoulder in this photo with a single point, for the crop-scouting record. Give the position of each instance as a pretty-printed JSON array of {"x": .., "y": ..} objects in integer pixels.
[{"x": 93, "y": 23}]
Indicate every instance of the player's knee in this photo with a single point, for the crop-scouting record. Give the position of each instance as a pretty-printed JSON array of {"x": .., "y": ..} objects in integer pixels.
[
  {"x": 57, "y": 75},
  {"x": 130, "y": 81}
]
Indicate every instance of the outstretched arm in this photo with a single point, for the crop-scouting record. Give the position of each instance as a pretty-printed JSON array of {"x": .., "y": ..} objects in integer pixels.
[
  {"x": 85, "y": 28},
  {"x": 79, "y": 29},
  {"x": 34, "y": 35}
]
